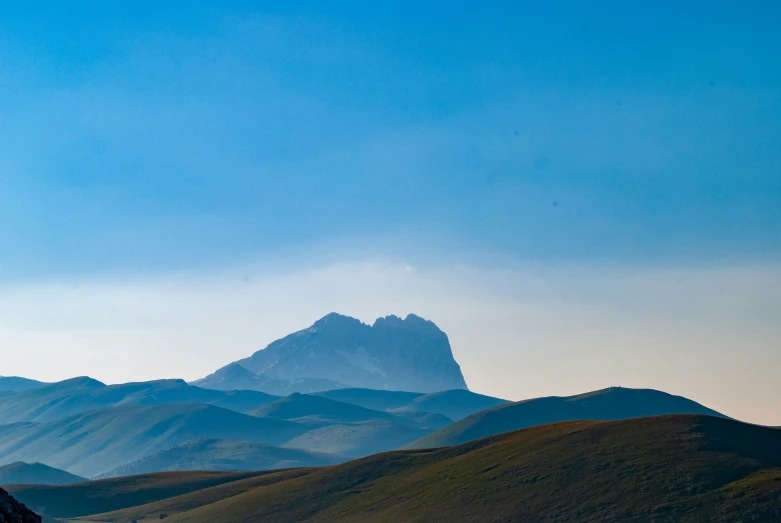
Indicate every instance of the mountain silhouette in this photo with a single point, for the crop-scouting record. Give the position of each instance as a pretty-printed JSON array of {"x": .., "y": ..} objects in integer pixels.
[{"x": 410, "y": 354}]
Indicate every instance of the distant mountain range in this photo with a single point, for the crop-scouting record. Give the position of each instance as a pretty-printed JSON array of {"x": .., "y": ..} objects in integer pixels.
[
  {"x": 410, "y": 354},
  {"x": 21, "y": 473},
  {"x": 74, "y": 396},
  {"x": 614, "y": 403},
  {"x": 684, "y": 468}
]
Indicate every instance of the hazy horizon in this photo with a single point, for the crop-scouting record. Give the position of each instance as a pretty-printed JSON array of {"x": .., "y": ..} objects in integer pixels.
[{"x": 579, "y": 196}]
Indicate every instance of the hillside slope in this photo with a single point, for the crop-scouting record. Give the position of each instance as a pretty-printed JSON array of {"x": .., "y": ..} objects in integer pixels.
[
  {"x": 608, "y": 404},
  {"x": 218, "y": 454},
  {"x": 66, "y": 501},
  {"x": 670, "y": 468},
  {"x": 11, "y": 511},
  {"x": 20, "y": 473},
  {"x": 96, "y": 442}
]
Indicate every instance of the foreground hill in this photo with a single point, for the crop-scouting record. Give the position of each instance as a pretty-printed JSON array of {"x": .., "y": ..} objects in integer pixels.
[
  {"x": 17, "y": 384},
  {"x": 454, "y": 404},
  {"x": 66, "y": 398},
  {"x": 609, "y": 404},
  {"x": 11, "y": 511},
  {"x": 20, "y": 473},
  {"x": 670, "y": 468},
  {"x": 338, "y": 351},
  {"x": 217, "y": 454},
  {"x": 66, "y": 501},
  {"x": 96, "y": 442}
]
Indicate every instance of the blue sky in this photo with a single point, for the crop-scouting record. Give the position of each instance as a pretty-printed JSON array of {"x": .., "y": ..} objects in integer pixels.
[
  {"x": 458, "y": 142},
  {"x": 137, "y": 140}
]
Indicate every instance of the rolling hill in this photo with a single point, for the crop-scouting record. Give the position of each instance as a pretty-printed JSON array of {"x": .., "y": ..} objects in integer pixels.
[
  {"x": 66, "y": 501},
  {"x": 608, "y": 404},
  {"x": 217, "y": 454},
  {"x": 98, "y": 441},
  {"x": 20, "y": 473},
  {"x": 684, "y": 468},
  {"x": 66, "y": 398},
  {"x": 320, "y": 410},
  {"x": 454, "y": 404}
]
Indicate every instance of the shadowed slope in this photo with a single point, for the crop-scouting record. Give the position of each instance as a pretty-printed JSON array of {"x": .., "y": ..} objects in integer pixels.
[
  {"x": 609, "y": 404},
  {"x": 20, "y": 473},
  {"x": 17, "y": 384},
  {"x": 671, "y": 468},
  {"x": 112, "y": 494}
]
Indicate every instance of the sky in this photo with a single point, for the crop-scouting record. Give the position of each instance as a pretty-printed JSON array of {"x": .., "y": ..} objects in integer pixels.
[{"x": 581, "y": 194}]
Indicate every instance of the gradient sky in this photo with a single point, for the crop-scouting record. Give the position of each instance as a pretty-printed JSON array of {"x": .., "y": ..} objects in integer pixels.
[{"x": 582, "y": 194}]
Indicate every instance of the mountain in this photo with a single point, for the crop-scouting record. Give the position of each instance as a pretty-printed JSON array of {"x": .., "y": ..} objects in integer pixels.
[
  {"x": 236, "y": 377},
  {"x": 392, "y": 354},
  {"x": 686, "y": 468},
  {"x": 453, "y": 404},
  {"x": 17, "y": 384},
  {"x": 609, "y": 404},
  {"x": 66, "y": 398},
  {"x": 21, "y": 473},
  {"x": 98, "y": 441},
  {"x": 12, "y": 511},
  {"x": 218, "y": 454}
]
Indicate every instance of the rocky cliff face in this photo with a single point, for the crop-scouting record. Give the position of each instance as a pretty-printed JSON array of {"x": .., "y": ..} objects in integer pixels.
[
  {"x": 409, "y": 354},
  {"x": 11, "y": 511}
]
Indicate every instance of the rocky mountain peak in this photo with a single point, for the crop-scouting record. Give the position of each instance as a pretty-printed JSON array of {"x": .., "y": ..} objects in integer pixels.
[{"x": 410, "y": 354}]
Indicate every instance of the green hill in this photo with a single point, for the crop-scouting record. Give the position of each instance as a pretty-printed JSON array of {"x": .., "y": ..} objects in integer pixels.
[
  {"x": 609, "y": 404},
  {"x": 685, "y": 468},
  {"x": 70, "y": 397},
  {"x": 96, "y": 442},
  {"x": 217, "y": 454},
  {"x": 20, "y": 473}
]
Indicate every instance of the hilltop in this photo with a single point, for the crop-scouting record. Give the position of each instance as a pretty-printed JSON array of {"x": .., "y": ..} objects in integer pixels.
[{"x": 20, "y": 473}]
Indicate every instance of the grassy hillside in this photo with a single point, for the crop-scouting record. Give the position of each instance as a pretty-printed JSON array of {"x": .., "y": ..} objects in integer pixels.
[
  {"x": 94, "y": 497},
  {"x": 609, "y": 404},
  {"x": 218, "y": 454},
  {"x": 20, "y": 473},
  {"x": 357, "y": 439},
  {"x": 70, "y": 397},
  {"x": 670, "y": 468},
  {"x": 98, "y": 441}
]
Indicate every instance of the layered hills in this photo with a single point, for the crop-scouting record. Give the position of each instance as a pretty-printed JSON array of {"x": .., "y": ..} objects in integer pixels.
[
  {"x": 410, "y": 354},
  {"x": 608, "y": 404},
  {"x": 685, "y": 468}
]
